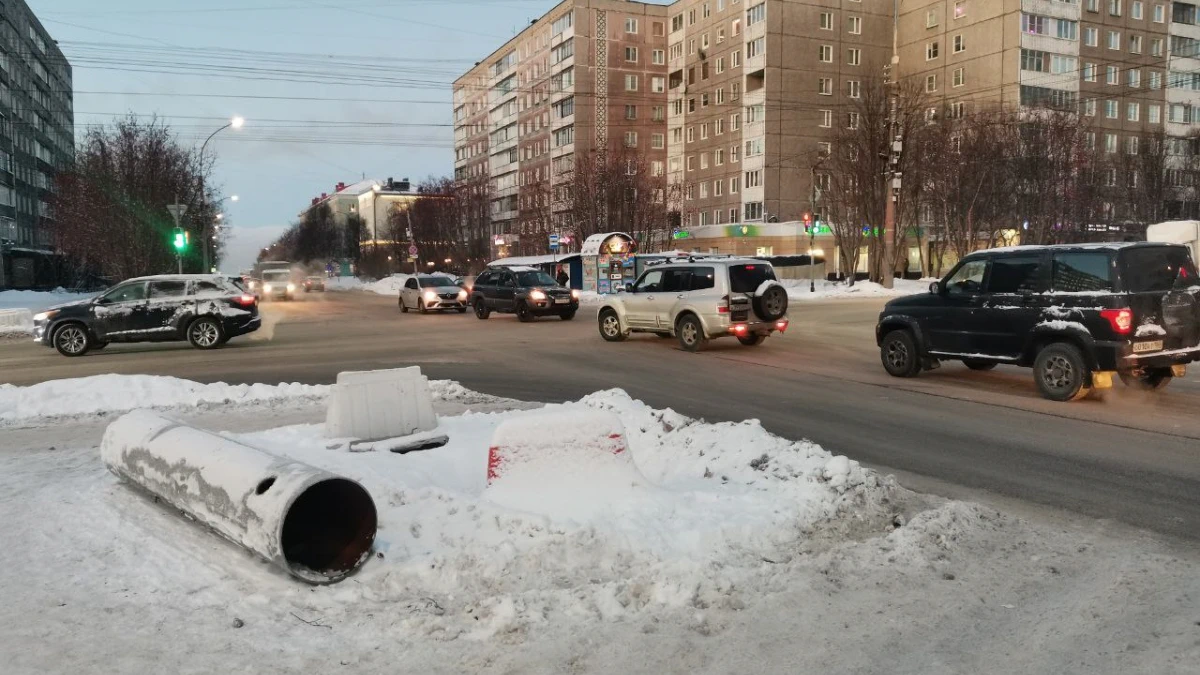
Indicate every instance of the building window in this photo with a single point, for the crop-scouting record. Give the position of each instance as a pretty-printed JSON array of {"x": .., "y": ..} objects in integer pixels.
[
  {"x": 1155, "y": 80},
  {"x": 852, "y": 120},
  {"x": 691, "y": 163},
  {"x": 1114, "y": 7},
  {"x": 1135, "y": 77},
  {"x": 1156, "y": 47},
  {"x": 719, "y": 126},
  {"x": 720, "y": 95},
  {"x": 1110, "y": 109},
  {"x": 1154, "y": 113},
  {"x": 659, "y": 29},
  {"x": 658, "y": 57},
  {"x": 826, "y": 21},
  {"x": 1160, "y": 14},
  {"x": 1110, "y": 143},
  {"x": 931, "y": 18},
  {"x": 826, "y": 119},
  {"x": 631, "y": 26},
  {"x": 754, "y": 147},
  {"x": 1089, "y": 107},
  {"x": 1034, "y": 24},
  {"x": 691, "y": 134},
  {"x": 1135, "y": 10},
  {"x": 736, "y": 27},
  {"x": 1113, "y": 75},
  {"x": 1091, "y": 37},
  {"x": 754, "y": 211},
  {"x": 931, "y": 51},
  {"x": 720, "y": 35},
  {"x": 960, "y": 9},
  {"x": 658, "y": 141},
  {"x": 960, "y": 45},
  {"x": 854, "y": 88},
  {"x": 704, "y": 41},
  {"x": 735, "y": 122},
  {"x": 931, "y": 83},
  {"x": 719, "y": 156},
  {"x": 631, "y": 139},
  {"x": 733, "y": 153},
  {"x": 704, "y": 131},
  {"x": 854, "y": 57},
  {"x": 1089, "y": 72},
  {"x": 825, "y": 86},
  {"x": 825, "y": 53},
  {"x": 1133, "y": 112},
  {"x": 1135, "y": 44},
  {"x": 1068, "y": 30},
  {"x": 1114, "y": 40},
  {"x": 631, "y": 54},
  {"x": 658, "y": 85},
  {"x": 755, "y": 47},
  {"x": 658, "y": 113},
  {"x": 703, "y": 165},
  {"x": 960, "y": 77},
  {"x": 854, "y": 25},
  {"x": 631, "y": 112},
  {"x": 631, "y": 83},
  {"x": 720, "y": 65},
  {"x": 756, "y": 13}
]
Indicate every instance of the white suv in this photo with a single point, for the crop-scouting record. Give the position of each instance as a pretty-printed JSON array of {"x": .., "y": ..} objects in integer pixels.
[{"x": 697, "y": 299}]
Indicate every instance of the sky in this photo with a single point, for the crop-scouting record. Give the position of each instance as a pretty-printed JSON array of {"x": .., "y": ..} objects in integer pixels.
[{"x": 331, "y": 90}]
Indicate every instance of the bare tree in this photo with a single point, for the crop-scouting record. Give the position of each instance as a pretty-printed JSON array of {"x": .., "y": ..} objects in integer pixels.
[{"x": 616, "y": 190}]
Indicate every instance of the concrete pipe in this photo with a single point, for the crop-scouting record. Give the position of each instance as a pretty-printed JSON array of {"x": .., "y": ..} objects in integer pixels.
[{"x": 317, "y": 526}]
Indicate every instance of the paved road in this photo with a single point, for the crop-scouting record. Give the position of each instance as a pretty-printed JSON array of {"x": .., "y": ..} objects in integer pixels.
[{"x": 1132, "y": 457}]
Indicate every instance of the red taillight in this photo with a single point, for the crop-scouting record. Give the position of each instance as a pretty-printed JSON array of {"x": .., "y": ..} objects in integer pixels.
[
  {"x": 1120, "y": 319},
  {"x": 246, "y": 300},
  {"x": 723, "y": 308},
  {"x": 740, "y": 329},
  {"x": 781, "y": 326}
]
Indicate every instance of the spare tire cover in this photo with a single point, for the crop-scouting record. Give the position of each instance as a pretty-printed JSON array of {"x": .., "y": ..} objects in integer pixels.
[{"x": 771, "y": 304}]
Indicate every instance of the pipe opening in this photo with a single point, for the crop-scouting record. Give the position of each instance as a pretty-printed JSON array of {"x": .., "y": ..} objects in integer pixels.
[
  {"x": 264, "y": 485},
  {"x": 329, "y": 530}
]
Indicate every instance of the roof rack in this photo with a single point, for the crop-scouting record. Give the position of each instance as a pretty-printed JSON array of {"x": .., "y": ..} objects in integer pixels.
[{"x": 691, "y": 258}]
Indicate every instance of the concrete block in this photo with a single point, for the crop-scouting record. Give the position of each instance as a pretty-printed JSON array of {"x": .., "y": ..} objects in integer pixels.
[
  {"x": 15, "y": 320},
  {"x": 378, "y": 404}
]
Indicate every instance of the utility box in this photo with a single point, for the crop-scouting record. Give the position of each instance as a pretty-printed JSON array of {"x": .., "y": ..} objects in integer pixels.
[{"x": 379, "y": 404}]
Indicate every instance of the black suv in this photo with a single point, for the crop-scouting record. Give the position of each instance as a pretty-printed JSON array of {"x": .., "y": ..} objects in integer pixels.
[
  {"x": 205, "y": 310},
  {"x": 524, "y": 291},
  {"x": 1074, "y": 313}
]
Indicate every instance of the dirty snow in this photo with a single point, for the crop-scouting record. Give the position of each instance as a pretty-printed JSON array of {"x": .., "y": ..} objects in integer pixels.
[
  {"x": 752, "y": 554},
  {"x": 1059, "y": 324},
  {"x": 1150, "y": 330}
]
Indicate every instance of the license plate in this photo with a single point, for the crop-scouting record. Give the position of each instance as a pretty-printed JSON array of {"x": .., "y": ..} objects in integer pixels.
[
  {"x": 561, "y": 301},
  {"x": 1151, "y": 346}
]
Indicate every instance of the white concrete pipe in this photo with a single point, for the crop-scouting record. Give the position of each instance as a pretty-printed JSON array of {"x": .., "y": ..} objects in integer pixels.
[{"x": 317, "y": 526}]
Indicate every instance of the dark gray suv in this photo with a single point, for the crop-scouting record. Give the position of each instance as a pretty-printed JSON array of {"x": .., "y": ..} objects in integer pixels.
[{"x": 524, "y": 291}]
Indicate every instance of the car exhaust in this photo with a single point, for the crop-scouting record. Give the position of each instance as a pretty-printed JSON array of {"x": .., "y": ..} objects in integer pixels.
[{"x": 314, "y": 525}]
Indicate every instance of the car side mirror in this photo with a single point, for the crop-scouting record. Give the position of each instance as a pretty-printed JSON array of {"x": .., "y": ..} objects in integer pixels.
[
  {"x": 936, "y": 288},
  {"x": 100, "y": 301}
]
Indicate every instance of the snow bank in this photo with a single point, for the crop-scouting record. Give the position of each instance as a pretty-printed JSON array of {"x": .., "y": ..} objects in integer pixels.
[
  {"x": 387, "y": 285},
  {"x": 15, "y": 321},
  {"x": 344, "y": 284},
  {"x": 798, "y": 289}
]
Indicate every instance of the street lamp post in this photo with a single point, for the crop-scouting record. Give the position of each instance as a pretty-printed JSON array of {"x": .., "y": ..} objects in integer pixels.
[
  {"x": 812, "y": 232},
  {"x": 235, "y": 123}
]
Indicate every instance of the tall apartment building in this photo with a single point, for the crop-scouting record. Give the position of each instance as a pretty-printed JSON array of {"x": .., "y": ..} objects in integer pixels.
[
  {"x": 36, "y": 126},
  {"x": 589, "y": 74}
]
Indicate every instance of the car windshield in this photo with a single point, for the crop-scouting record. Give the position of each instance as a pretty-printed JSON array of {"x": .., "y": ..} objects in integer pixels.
[
  {"x": 1158, "y": 268},
  {"x": 535, "y": 279},
  {"x": 747, "y": 278},
  {"x": 436, "y": 282},
  {"x": 276, "y": 276}
]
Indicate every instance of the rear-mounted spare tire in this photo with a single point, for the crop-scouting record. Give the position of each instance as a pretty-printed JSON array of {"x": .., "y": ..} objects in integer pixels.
[{"x": 771, "y": 303}]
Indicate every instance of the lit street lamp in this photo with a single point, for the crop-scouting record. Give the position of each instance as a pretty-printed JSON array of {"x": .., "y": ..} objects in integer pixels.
[{"x": 236, "y": 123}]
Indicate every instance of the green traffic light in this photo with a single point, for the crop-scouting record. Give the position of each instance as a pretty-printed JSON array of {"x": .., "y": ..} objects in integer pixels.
[{"x": 180, "y": 241}]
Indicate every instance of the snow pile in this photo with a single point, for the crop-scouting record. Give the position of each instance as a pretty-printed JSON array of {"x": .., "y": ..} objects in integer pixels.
[
  {"x": 700, "y": 507},
  {"x": 387, "y": 285},
  {"x": 1150, "y": 330},
  {"x": 344, "y": 284},
  {"x": 15, "y": 321},
  {"x": 36, "y": 301},
  {"x": 798, "y": 289}
]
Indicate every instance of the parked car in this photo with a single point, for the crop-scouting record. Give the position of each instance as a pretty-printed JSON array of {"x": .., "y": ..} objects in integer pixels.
[
  {"x": 524, "y": 291},
  {"x": 698, "y": 299},
  {"x": 432, "y": 292},
  {"x": 205, "y": 310},
  {"x": 1076, "y": 314},
  {"x": 314, "y": 283}
]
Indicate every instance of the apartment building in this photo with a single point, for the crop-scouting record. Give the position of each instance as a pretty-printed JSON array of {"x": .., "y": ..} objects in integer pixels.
[
  {"x": 36, "y": 128},
  {"x": 757, "y": 91},
  {"x": 589, "y": 74}
]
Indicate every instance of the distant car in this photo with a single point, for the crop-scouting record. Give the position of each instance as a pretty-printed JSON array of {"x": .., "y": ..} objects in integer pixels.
[
  {"x": 432, "y": 292},
  {"x": 277, "y": 285},
  {"x": 205, "y": 310},
  {"x": 524, "y": 291},
  {"x": 314, "y": 284},
  {"x": 698, "y": 299},
  {"x": 1076, "y": 314}
]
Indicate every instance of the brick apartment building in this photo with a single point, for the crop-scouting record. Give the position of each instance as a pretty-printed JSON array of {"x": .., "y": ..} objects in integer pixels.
[{"x": 756, "y": 89}]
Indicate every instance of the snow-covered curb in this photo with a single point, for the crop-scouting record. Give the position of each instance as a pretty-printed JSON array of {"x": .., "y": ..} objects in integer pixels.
[
  {"x": 102, "y": 395},
  {"x": 15, "y": 321},
  {"x": 798, "y": 289}
]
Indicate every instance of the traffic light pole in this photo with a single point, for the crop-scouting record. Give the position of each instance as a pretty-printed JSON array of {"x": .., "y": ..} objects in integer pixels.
[{"x": 177, "y": 210}]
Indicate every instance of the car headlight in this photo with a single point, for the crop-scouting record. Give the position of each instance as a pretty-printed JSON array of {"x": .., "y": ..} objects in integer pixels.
[
  {"x": 266, "y": 288},
  {"x": 536, "y": 295},
  {"x": 45, "y": 316},
  {"x": 291, "y": 287},
  {"x": 575, "y": 293},
  {"x": 430, "y": 295},
  {"x": 462, "y": 295}
]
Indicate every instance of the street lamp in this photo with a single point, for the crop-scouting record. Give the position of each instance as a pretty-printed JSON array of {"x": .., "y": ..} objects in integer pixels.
[{"x": 236, "y": 123}]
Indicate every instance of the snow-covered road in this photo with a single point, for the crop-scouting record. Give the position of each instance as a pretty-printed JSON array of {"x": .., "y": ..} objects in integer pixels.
[{"x": 743, "y": 552}]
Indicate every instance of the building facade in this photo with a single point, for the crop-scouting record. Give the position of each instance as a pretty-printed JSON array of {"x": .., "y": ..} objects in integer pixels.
[
  {"x": 36, "y": 126},
  {"x": 589, "y": 75}
]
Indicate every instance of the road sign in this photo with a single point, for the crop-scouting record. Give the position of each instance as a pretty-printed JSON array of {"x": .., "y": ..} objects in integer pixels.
[
  {"x": 554, "y": 240},
  {"x": 412, "y": 250}
]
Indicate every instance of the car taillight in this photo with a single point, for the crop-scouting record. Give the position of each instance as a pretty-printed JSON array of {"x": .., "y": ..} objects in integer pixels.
[
  {"x": 739, "y": 329},
  {"x": 246, "y": 300},
  {"x": 781, "y": 326},
  {"x": 1120, "y": 319},
  {"x": 723, "y": 308}
]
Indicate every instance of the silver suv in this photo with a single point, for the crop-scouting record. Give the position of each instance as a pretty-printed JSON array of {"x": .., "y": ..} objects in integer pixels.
[{"x": 696, "y": 299}]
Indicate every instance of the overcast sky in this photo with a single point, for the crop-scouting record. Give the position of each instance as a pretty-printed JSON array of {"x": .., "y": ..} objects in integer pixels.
[{"x": 361, "y": 88}]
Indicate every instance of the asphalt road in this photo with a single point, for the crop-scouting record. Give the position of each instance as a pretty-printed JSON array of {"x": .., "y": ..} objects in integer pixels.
[{"x": 1132, "y": 457}]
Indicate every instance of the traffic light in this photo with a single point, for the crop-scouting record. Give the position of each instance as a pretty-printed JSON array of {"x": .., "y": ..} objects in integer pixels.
[
  {"x": 181, "y": 240},
  {"x": 807, "y": 222}
]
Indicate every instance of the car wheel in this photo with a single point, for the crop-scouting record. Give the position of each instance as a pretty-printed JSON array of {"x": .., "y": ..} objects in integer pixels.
[
  {"x": 481, "y": 309},
  {"x": 1061, "y": 372},
  {"x": 403, "y": 307},
  {"x": 691, "y": 334},
  {"x": 610, "y": 326},
  {"x": 1149, "y": 379},
  {"x": 523, "y": 313},
  {"x": 899, "y": 354},
  {"x": 772, "y": 304},
  {"x": 72, "y": 340},
  {"x": 421, "y": 307},
  {"x": 567, "y": 316},
  {"x": 752, "y": 340},
  {"x": 205, "y": 333},
  {"x": 975, "y": 364}
]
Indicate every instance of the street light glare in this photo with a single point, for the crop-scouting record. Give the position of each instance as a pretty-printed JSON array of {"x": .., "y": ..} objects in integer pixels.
[
  {"x": 238, "y": 122},
  {"x": 234, "y": 198}
]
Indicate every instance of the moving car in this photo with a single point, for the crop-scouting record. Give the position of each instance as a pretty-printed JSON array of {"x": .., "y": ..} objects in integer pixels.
[
  {"x": 698, "y": 299},
  {"x": 432, "y": 292},
  {"x": 1076, "y": 314},
  {"x": 524, "y": 291},
  {"x": 277, "y": 284},
  {"x": 205, "y": 310},
  {"x": 314, "y": 283}
]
